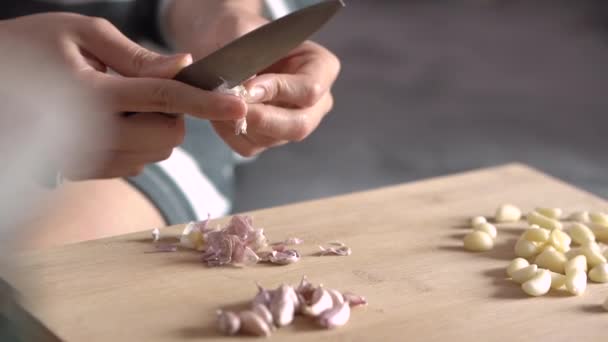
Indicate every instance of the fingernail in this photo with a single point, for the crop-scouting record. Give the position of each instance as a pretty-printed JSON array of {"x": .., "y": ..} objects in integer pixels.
[
  {"x": 180, "y": 60},
  {"x": 256, "y": 94}
]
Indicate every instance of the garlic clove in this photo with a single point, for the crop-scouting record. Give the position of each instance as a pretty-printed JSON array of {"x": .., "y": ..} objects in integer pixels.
[
  {"x": 335, "y": 317},
  {"x": 253, "y": 324},
  {"x": 538, "y": 285},
  {"x": 321, "y": 300},
  {"x": 228, "y": 323}
]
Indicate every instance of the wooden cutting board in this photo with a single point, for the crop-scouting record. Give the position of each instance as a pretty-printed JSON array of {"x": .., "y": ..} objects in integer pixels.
[{"x": 407, "y": 260}]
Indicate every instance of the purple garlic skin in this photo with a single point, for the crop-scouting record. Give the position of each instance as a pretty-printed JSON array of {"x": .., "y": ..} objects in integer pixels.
[{"x": 354, "y": 299}]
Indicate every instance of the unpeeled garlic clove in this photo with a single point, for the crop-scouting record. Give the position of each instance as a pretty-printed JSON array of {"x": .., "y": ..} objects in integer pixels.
[
  {"x": 321, "y": 300},
  {"x": 335, "y": 317},
  {"x": 282, "y": 306},
  {"x": 263, "y": 311},
  {"x": 263, "y": 296},
  {"x": 228, "y": 323},
  {"x": 253, "y": 324}
]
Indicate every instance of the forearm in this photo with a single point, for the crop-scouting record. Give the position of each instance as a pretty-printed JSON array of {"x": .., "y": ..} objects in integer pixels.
[{"x": 183, "y": 17}]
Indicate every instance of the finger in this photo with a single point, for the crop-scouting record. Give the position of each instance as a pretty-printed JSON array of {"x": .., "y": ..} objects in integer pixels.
[
  {"x": 167, "y": 96},
  {"x": 301, "y": 80},
  {"x": 239, "y": 143},
  {"x": 287, "y": 124},
  {"x": 103, "y": 40},
  {"x": 148, "y": 133}
]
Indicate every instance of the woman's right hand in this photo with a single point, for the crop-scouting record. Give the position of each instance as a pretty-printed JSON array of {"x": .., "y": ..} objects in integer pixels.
[{"x": 89, "y": 47}]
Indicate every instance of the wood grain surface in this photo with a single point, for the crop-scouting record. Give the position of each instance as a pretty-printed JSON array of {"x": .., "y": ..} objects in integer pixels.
[{"x": 407, "y": 260}]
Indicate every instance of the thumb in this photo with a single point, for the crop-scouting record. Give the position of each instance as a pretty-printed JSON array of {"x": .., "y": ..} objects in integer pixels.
[{"x": 104, "y": 41}]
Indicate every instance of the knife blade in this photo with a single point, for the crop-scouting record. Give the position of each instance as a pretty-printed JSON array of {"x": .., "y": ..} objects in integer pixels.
[{"x": 257, "y": 50}]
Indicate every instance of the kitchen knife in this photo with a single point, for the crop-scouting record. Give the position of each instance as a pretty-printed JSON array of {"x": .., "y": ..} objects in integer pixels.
[{"x": 257, "y": 50}]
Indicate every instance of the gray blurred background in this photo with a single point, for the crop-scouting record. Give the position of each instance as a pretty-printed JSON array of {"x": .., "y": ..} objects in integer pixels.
[{"x": 431, "y": 88}]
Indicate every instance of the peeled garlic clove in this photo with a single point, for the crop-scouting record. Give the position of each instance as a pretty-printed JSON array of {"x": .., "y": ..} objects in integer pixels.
[
  {"x": 592, "y": 252},
  {"x": 263, "y": 311},
  {"x": 599, "y": 218},
  {"x": 599, "y": 273},
  {"x": 282, "y": 306},
  {"x": 507, "y": 213},
  {"x": 228, "y": 323},
  {"x": 576, "y": 282},
  {"x": 488, "y": 228},
  {"x": 524, "y": 274},
  {"x": 543, "y": 221},
  {"x": 581, "y": 234},
  {"x": 600, "y": 232},
  {"x": 536, "y": 234},
  {"x": 554, "y": 213},
  {"x": 558, "y": 281},
  {"x": 516, "y": 265},
  {"x": 538, "y": 285},
  {"x": 321, "y": 301},
  {"x": 580, "y": 216},
  {"x": 253, "y": 324},
  {"x": 551, "y": 259},
  {"x": 573, "y": 252},
  {"x": 560, "y": 240},
  {"x": 576, "y": 264},
  {"x": 526, "y": 249},
  {"x": 476, "y": 221},
  {"x": 335, "y": 317},
  {"x": 478, "y": 241}
]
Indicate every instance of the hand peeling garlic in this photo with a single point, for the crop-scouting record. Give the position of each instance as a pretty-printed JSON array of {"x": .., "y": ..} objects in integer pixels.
[{"x": 240, "y": 91}]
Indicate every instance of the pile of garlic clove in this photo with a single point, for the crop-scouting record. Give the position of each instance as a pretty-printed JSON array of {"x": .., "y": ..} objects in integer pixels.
[
  {"x": 272, "y": 309},
  {"x": 553, "y": 252}
]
